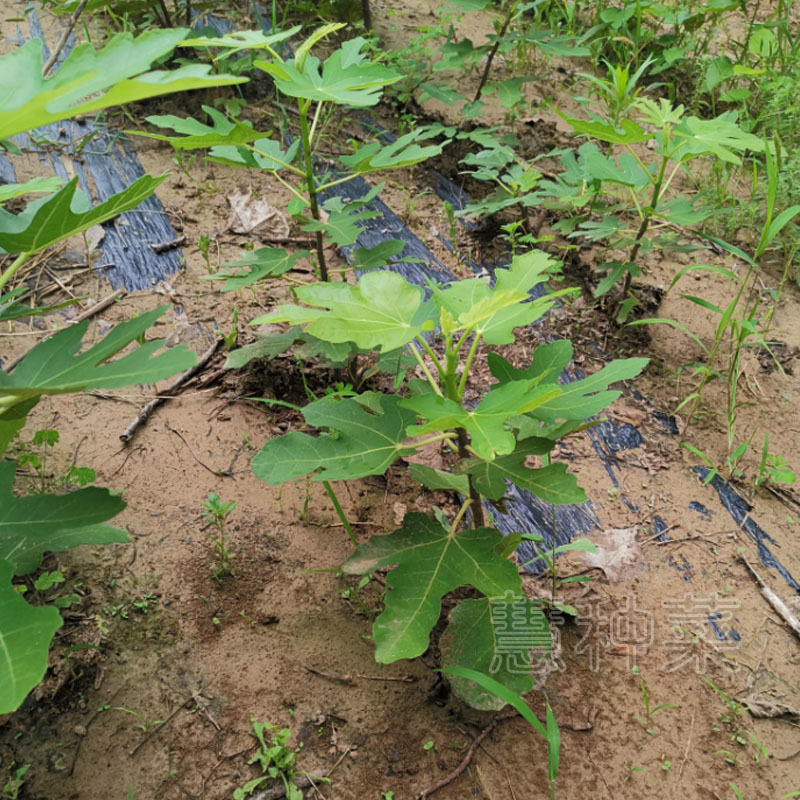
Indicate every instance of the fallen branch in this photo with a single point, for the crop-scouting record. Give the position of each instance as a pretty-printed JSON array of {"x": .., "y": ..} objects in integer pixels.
[
  {"x": 155, "y": 729},
  {"x": 82, "y": 317},
  {"x": 448, "y": 779},
  {"x": 792, "y": 621},
  {"x": 64, "y": 36},
  {"x": 162, "y": 247},
  {"x": 344, "y": 681},
  {"x": 142, "y": 416}
]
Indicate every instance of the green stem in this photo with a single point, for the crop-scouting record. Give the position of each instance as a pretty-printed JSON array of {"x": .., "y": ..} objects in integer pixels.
[
  {"x": 553, "y": 571},
  {"x": 465, "y": 374},
  {"x": 344, "y": 179},
  {"x": 289, "y": 186},
  {"x": 305, "y": 135},
  {"x": 13, "y": 269},
  {"x": 314, "y": 122},
  {"x": 340, "y": 512},
  {"x": 461, "y": 511},
  {"x": 647, "y": 216},
  {"x": 427, "y": 348},
  {"x": 428, "y": 375},
  {"x": 478, "y": 520},
  {"x": 715, "y": 348},
  {"x": 446, "y": 436}
]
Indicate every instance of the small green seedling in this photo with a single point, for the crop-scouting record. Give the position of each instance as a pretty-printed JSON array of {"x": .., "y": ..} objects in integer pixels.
[
  {"x": 15, "y": 780},
  {"x": 739, "y": 735},
  {"x": 773, "y": 469},
  {"x": 580, "y": 545},
  {"x": 36, "y": 457},
  {"x": 650, "y": 711},
  {"x": 232, "y": 337},
  {"x": 217, "y": 512},
  {"x": 275, "y": 759},
  {"x": 203, "y": 245},
  {"x": 144, "y": 724}
]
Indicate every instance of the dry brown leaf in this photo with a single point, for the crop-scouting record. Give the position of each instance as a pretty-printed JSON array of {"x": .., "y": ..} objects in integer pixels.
[
  {"x": 256, "y": 217},
  {"x": 618, "y": 554}
]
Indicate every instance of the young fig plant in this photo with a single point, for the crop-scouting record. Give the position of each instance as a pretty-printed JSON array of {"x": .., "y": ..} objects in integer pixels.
[
  {"x": 679, "y": 138},
  {"x": 485, "y": 440},
  {"x": 347, "y": 79}
]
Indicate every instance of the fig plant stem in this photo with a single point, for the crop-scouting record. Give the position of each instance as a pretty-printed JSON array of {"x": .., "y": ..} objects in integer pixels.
[{"x": 302, "y": 107}]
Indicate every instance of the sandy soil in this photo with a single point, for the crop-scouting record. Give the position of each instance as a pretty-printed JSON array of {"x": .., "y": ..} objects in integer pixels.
[{"x": 161, "y": 705}]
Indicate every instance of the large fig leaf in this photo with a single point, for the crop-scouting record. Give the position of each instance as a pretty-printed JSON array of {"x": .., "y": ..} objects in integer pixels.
[
  {"x": 88, "y": 81},
  {"x": 52, "y": 367},
  {"x": 430, "y": 563},
  {"x": 198, "y": 135},
  {"x": 548, "y": 362},
  {"x": 552, "y": 484},
  {"x": 25, "y": 636},
  {"x": 721, "y": 137},
  {"x": 65, "y": 213},
  {"x": 236, "y": 41},
  {"x": 628, "y": 132},
  {"x": 340, "y": 226},
  {"x": 579, "y": 399},
  {"x": 402, "y": 152},
  {"x": 347, "y": 78},
  {"x": 437, "y": 479},
  {"x": 33, "y": 525},
  {"x": 382, "y": 311},
  {"x": 486, "y": 423},
  {"x": 364, "y": 442},
  {"x": 266, "y": 262},
  {"x": 494, "y": 636},
  {"x": 495, "y": 311}
]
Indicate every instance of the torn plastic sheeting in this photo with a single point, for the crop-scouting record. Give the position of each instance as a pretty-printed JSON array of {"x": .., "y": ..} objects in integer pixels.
[
  {"x": 128, "y": 237},
  {"x": 105, "y": 165},
  {"x": 694, "y": 505},
  {"x": 680, "y": 564},
  {"x": 714, "y": 620},
  {"x": 739, "y": 509}
]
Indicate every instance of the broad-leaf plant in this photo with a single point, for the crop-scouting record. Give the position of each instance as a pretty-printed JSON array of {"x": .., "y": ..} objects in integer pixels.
[
  {"x": 347, "y": 79},
  {"x": 506, "y": 433},
  {"x": 87, "y": 81}
]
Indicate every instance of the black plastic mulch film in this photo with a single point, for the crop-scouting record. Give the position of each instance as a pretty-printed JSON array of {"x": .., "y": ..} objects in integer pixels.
[{"x": 113, "y": 165}]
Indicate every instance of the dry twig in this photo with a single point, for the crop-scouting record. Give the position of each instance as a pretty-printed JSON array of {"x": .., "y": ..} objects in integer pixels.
[
  {"x": 448, "y": 779},
  {"x": 183, "y": 378},
  {"x": 791, "y": 620},
  {"x": 64, "y": 36},
  {"x": 162, "y": 247}
]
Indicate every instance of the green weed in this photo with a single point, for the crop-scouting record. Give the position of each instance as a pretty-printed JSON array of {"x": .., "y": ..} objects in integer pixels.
[
  {"x": 275, "y": 760},
  {"x": 216, "y": 514}
]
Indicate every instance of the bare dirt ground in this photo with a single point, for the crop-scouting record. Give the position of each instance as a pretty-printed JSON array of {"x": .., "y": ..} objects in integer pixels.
[{"x": 283, "y": 641}]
